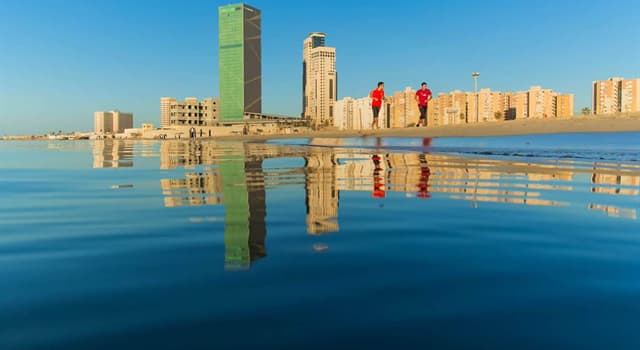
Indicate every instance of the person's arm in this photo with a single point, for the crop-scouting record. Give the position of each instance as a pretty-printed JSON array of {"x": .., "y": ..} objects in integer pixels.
[{"x": 417, "y": 98}]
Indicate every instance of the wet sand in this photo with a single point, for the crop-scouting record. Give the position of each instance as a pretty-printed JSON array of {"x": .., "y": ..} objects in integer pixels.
[{"x": 607, "y": 124}]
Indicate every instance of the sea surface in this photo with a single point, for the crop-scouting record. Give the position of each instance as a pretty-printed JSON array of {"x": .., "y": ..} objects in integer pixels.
[{"x": 528, "y": 242}]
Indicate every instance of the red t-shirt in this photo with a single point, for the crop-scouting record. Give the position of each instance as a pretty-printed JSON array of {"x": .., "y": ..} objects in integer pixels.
[
  {"x": 376, "y": 97},
  {"x": 423, "y": 96}
]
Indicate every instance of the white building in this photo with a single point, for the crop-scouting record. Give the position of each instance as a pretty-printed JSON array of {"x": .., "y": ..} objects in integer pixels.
[
  {"x": 357, "y": 114},
  {"x": 319, "y": 80},
  {"x": 113, "y": 122}
]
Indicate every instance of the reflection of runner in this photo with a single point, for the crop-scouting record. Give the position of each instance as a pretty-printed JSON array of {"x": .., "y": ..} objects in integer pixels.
[
  {"x": 378, "y": 180},
  {"x": 425, "y": 173}
]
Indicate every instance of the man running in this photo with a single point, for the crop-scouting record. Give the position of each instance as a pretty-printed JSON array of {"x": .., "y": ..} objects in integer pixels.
[
  {"x": 423, "y": 96},
  {"x": 377, "y": 96}
]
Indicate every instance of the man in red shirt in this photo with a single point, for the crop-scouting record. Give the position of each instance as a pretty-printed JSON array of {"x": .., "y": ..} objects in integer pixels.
[
  {"x": 423, "y": 96},
  {"x": 377, "y": 96}
]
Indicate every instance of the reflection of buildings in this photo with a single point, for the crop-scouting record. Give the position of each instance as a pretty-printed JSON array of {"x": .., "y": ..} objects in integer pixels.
[
  {"x": 232, "y": 175},
  {"x": 112, "y": 153},
  {"x": 615, "y": 212},
  {"x": 237, "y": 183},
  {"x": 321, "y": 193},
  {"x": 616, "y": 184}
]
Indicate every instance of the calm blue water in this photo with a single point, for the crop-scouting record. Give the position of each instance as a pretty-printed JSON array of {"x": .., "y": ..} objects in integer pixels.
[{"x": 479, "y": 243}]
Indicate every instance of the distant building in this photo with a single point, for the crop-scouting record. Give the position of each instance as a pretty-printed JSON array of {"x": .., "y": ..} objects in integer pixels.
[
  {"x": 541, "y": 103},
  {"x": 190, "y": 112},
  {"x": 404, "y": 109},
  {"x": 113, "y": 122},
  {"x": 616, "y": 95},
  {"x": 240, "y": 62},
  {"x": 165, "y": 111},
  {"x": 564, "y": 105},
  {"x": 357, "y": 114},
  {"x": 319, "y": 80}
]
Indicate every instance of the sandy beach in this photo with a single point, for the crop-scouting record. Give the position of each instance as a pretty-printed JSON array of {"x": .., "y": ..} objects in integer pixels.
[{"x": 580, "y": 124}]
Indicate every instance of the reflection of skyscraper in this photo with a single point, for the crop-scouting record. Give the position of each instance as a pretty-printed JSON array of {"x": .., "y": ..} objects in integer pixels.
[
  {"x": 240, "y": 62},
  {"x": 245, "y": 208},
  {"x": 322, "y": 193},
  {"x": 112, "y": 153},
  {"x": 237, "y": 183}
]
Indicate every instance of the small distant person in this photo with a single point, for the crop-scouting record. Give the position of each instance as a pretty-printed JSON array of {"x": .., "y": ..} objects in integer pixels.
[
  {"x": 377, "y": 96},
  {"x": 209, "y": 132},
  {"x": 201, "y": 133},
  {"x": 423, "y": 96}
]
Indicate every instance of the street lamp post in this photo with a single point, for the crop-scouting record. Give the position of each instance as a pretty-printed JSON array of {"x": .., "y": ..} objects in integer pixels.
[{"x": 475, "y": 76}]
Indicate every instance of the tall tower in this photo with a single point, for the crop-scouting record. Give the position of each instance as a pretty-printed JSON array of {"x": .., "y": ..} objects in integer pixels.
[
  {"x": 240, "y": 62},
  {"x": 319, "y": 80}
]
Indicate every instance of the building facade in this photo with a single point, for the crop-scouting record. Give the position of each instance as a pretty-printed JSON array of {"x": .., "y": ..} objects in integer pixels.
[
  {"x": 240, "y": 62},
  {"x": 357, "y": 114},
  {"x": 319, "y": 80},
  {"x": 616, "y": 95},
  {"x": 564, "y": 105},
  {"x": 113, "y": 122},
  {"x": 190, "y": 112},
  {"x": 404, "y": 109}
]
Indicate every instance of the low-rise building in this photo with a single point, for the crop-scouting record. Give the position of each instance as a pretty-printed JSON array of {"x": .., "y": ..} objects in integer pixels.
[{"x": 189, "y": 112}]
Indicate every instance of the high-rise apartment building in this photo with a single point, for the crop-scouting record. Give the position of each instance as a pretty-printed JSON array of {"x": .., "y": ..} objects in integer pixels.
[
  {"x": 165, "y": 111},
  {"x": 564, "y": 105},
  {"x": 114, "y": 122},
  {"x": 190, "y": 112},
  {"x": 404, "y": 109},
  {"x": 519, "y": 105},
  {"x": 541, "y": 103},
  {"x": 319, "y": 80},
  {"x": 630, "y": 96},
  {"x": 606, "y": 96},
  {"x": 240, "y": 62}
]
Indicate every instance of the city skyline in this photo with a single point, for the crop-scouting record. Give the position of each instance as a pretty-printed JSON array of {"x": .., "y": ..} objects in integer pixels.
[{"x": 83, "y": 72}]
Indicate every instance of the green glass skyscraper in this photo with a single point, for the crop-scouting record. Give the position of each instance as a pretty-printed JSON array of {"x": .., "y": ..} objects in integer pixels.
[{"x": 240, "y": 62}]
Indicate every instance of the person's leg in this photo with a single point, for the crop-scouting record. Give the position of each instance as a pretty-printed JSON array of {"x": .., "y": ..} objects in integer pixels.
[
  {"x": 376, "y": 112},
  {"x": 422, "y": 116},
  {"x": 426, "y": 115}
]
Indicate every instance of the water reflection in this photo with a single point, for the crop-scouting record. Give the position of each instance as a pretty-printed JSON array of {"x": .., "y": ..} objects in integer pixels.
[
  {"x": 113, "y": 154},
  {"x": 232, "y": 174}
]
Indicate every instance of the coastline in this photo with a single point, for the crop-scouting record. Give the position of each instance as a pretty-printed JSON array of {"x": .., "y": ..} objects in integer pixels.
[
  {"x": 578, "y": 124},
  {"x": 574, "y": 125}
]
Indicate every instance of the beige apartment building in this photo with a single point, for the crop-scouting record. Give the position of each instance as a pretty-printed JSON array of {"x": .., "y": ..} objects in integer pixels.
[
  {"x": 564, "y": 105},
  {"x": 616, "y": 95},
  {"x": 189, "y": 112},
  {"x": 606, "y": 96},
  {"x": 630, "y": 96},
  {"x": 541, "y": 103},
  {"x": 113, "y": 122},
  {"x": 404, "y": 109},
  {"x": 319, "y": 80},
  {"x": 356, "y": 114}
]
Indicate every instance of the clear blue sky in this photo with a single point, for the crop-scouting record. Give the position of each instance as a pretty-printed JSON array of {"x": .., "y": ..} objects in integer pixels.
[{"x": 61, "y": 60}]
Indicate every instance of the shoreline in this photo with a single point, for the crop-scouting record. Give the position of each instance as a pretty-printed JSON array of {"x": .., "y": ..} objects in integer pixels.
[{"x": 575, "y": 125}]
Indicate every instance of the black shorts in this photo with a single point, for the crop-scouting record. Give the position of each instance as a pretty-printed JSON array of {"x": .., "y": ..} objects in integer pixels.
[
  {"x": 376, "y": 112},
  {"x": 423, "y": 111}
]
